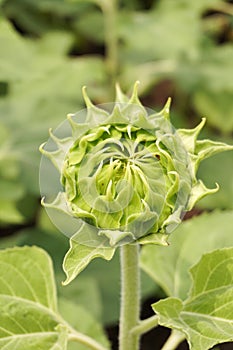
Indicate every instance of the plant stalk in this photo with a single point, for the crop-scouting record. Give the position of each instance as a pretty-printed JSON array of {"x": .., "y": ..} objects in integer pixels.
[
  {"x": 109, "y": 9},
  {"x": 173, "y": 340},
  {"x": 85, "y": 340},
  {"x": 130, "y": 297},
  {"x": 145, "y": 325}
]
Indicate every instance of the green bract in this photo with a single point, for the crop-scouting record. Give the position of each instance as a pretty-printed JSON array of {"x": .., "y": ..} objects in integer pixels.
[{"x": 127, "y": 175}]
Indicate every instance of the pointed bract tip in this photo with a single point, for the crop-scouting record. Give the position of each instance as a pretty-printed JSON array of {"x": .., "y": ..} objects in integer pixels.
[
  {"x": 134, "y": 98},
  {"x": 65, "y": 283},
  {"x": 53, "y": 137},
  {"x": 166, "y": 108},
  {"x": 69, "y": 116},
  {"x": 70, "y": 120},
  {"x": 118, "y": 88},
  {"x": 120, "y": 96},
  {"x": 87, "y": 100},
  {"x": 207, "y": 191},
  {"x": 41, "y": 148},
  {"x": 135, "y": 88},
  {"x": 42, "y": 202},
  {"x": 129, "y": 127},
  {"x": 200, "y": 125},
  {"x": 168, "y": 103}
]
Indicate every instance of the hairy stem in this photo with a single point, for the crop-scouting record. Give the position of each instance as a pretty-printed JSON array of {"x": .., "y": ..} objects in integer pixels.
[
  {"x": 85, "y": 340},
  {"x": 130, "y": 297},
  {"x": 145, "y": 325},
  {"x": 173, "y": 340}
]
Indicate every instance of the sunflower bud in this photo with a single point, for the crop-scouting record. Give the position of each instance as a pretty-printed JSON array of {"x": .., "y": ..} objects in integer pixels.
[{"x": 126, "y": 174}]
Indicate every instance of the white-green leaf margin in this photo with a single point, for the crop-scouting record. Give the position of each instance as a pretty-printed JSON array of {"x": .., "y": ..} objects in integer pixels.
[
  {"x": 79, "y": 256},
  {"x": 206, "y": 317},
  {"x": 28, "y": 303}
]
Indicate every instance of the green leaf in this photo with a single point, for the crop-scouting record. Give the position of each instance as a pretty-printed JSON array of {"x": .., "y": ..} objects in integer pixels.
[
  {"x": 11, "y": 190},
  {"x": 76, "y": 292},
  {"x": 34, "y": 17},
  {"x": 79, "y": 256},
  {"x": 10, "y": 40},
  {"x": 211, "y": 171},
  {"x": 217, "y": 105},
  {"x": 85, "y": 322},
  {"x": 56, "y": 244},
  {"x": 169, "y": 266},
  {"x": 215, "y": 79},
  {"x": 28, "y": 301},
  {"x": 198, "y": 5},
  {"x": 31, "y": 270},
  {"x": 98, "y": 286},
  {"x": 91, "y": 24},
  {"x": 9, "y": 212},
  {"x": 213, "y": 95},
  {"x": 159, "y": 26},
  {"x": 206, "y": 317}
]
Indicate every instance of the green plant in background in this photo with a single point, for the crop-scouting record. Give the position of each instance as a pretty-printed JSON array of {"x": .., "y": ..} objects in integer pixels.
[{"x": 44, "y": 45}]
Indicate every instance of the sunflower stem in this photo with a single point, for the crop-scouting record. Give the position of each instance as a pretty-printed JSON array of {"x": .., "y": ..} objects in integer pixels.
[
  {"x": 85, "y": 340},
  {"x": 146, "y": 325},
  {"x": 130, "y": 297},
  {"x": 173, "y": 340}
]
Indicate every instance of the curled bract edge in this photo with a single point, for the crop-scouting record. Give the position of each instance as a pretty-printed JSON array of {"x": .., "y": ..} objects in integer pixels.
[{"x": 127, "y": 175}]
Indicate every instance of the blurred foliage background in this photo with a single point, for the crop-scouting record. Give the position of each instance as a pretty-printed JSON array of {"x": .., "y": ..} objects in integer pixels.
[{"x": 49, "y": 49}]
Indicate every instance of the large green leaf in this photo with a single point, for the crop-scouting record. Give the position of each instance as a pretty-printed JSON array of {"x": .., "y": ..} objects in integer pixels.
[
  {"x": 27, "y": 273},
  {"x": 28, "y": 302},
  {"x": 206, "y": 317},
  {"x": 169, "y": 266}
]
